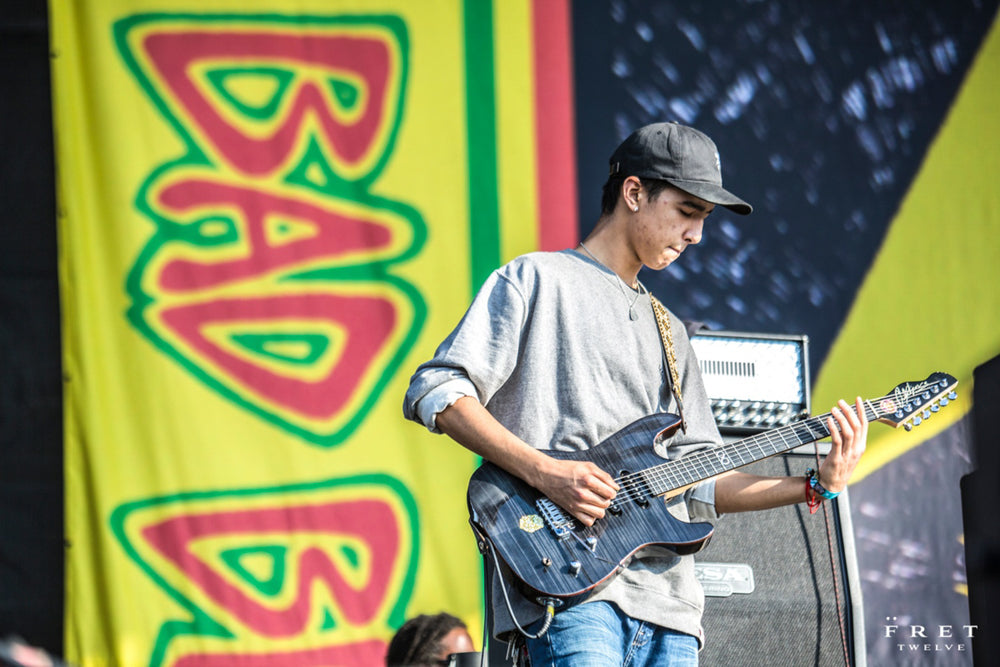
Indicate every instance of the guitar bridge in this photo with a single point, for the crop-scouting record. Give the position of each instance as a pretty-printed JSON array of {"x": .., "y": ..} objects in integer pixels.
[{"x": 558, "y": 521}]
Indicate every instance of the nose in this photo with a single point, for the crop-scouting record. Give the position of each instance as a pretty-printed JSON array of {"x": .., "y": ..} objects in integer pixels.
[{"x": 692, "y": 235}]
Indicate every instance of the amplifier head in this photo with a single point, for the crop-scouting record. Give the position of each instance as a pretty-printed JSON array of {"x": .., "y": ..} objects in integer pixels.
[{"x": 754, "y": 381}]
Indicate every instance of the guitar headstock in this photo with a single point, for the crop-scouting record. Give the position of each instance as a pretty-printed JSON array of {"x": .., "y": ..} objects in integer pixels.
[{"x": 910, "y": 403}]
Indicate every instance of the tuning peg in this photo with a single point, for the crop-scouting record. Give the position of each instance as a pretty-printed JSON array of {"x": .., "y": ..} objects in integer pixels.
[
  {"x": 944, "y": 401},
  {"x": 908, "y": 426},
  {"x": 953, "y": 396},
  {"x": 927, "y": 414},
  {"x": 917, "y": 420},
  {"x": 935, "y": 408}
]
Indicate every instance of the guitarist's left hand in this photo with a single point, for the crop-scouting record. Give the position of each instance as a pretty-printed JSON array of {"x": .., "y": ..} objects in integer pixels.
[
  {"x": 738, "y": 491},
  {"x": 849, "y": 437}
]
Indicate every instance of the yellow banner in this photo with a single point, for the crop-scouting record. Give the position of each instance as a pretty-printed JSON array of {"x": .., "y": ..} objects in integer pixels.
[
  {"x": 270, "y": 213},
  {"x": 929, "y": 302}
]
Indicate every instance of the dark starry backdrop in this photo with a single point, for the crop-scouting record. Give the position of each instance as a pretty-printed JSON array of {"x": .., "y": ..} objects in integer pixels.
[
  {"x": 822, "y": 113},
  {"x": 822, "y": 119}
]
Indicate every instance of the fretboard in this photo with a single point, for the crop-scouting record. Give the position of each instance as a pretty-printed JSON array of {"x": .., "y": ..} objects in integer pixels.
[{"x": 666, "y": 477}]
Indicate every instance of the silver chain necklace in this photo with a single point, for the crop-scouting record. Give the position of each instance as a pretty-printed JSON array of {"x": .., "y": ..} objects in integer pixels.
[{"x": 632, "y": 315}]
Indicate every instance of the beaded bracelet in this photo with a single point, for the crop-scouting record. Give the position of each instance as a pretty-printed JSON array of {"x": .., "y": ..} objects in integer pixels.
[{"x": 817, "y": 488}]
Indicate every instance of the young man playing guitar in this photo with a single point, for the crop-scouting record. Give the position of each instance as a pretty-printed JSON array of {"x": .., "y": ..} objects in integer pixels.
[{"x": 559, "y": 351}]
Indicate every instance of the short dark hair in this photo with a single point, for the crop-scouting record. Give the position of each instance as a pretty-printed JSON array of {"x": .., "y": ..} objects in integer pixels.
[
  {"x": 418, "y": 641},
  {"x": 613, "y": 187}
]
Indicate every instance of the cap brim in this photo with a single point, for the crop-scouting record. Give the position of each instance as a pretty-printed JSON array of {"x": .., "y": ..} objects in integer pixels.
[{"x": 715, "y": 194}]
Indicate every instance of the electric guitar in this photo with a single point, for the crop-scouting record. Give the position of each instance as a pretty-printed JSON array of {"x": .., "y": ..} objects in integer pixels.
[{"x": 557, "y": 559}]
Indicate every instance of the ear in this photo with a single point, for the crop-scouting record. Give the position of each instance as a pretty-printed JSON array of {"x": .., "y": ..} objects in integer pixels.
[{"x": 631, "y": 187}]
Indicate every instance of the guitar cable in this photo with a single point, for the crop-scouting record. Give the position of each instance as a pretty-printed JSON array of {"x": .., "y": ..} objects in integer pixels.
[
  {"x": 827, "y": 511},
  {"x": 836, "y": 584},
  {"x": 550, "y": 603}
]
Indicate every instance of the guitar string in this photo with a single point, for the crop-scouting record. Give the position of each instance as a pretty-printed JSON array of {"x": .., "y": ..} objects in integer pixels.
[
  {"x": 672, "y": 472},
  {"x": 778, "y": 436},
  {"x": 701, "y": 465},
  {"x": 706, "y": 460},
  {"x": 690, "y": 469}
]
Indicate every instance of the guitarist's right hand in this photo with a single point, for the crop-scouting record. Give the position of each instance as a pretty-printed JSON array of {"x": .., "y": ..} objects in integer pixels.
[{"x": 579, "y": 487}]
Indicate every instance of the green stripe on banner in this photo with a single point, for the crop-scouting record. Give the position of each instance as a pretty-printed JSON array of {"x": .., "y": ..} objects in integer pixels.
[{"x": 480, "y": 99}]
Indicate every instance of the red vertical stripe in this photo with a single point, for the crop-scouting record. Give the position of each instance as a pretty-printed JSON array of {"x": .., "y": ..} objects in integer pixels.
[{"x": 554, "y": 125}]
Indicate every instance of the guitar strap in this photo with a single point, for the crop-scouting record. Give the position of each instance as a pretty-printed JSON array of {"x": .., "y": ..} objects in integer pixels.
[{"x": 667, "y": 338}]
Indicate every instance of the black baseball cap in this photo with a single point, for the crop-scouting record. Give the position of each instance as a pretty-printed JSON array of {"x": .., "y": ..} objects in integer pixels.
[{"x": 680, "y": 155}]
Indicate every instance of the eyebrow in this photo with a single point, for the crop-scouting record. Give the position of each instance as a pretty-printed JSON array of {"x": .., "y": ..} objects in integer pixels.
[{"x": 695, "y": 205}]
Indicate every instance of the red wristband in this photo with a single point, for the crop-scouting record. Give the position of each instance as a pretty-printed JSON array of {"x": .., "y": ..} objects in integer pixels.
[{"x": 812, "y": 499}]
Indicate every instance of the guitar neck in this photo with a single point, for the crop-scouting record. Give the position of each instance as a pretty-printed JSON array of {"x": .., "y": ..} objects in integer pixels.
[{"x": 709, "y": 463}]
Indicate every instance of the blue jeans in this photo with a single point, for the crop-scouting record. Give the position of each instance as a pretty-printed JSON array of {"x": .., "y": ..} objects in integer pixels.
[{"x": 598, "y": 634}]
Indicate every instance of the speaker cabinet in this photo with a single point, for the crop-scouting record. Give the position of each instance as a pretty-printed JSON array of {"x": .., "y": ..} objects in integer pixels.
[
  {"x": 780, "y": 589},
  {"x": 980, "y": 498}
]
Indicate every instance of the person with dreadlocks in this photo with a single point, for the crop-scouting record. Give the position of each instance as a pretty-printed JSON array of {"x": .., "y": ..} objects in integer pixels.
[{"x": 428, "y": 640}]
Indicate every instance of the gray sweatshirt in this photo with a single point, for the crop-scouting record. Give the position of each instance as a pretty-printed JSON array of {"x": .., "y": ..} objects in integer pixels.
[{"x": 548, "y": 348}]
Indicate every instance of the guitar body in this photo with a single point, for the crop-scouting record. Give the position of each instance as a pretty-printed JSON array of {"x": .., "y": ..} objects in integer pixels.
[{"x": 554, "y": 556}]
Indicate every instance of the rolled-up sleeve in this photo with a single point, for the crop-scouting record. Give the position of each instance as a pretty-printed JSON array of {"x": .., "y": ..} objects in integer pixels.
[
  {"x": 701, "y": 502},
  {"x": 438, "y": 398},
  {"x": 475, "y": 359}
]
